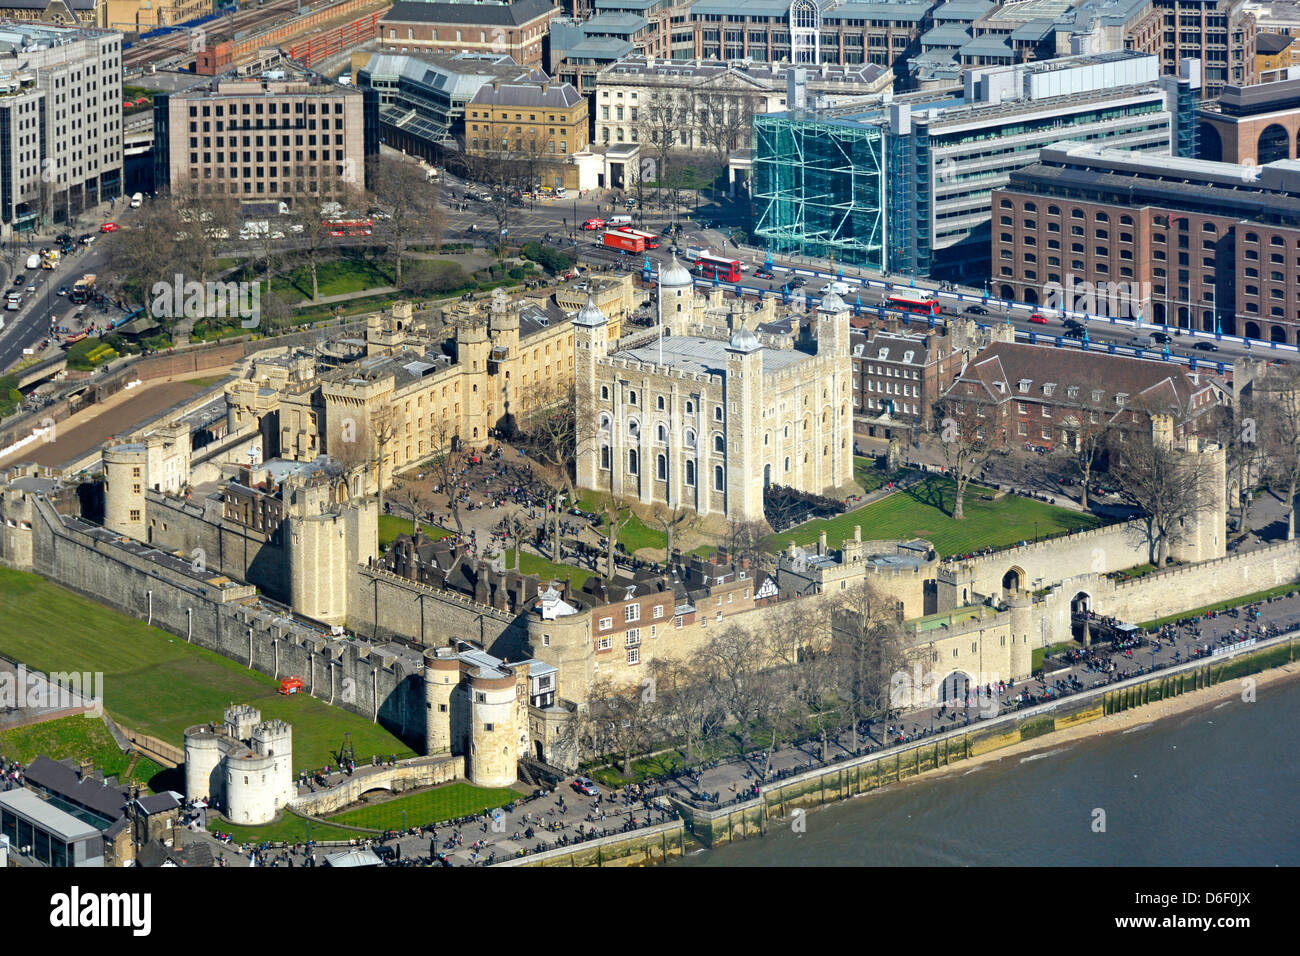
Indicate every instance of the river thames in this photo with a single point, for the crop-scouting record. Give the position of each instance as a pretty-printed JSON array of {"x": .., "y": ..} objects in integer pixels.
[{"x": 1214, "y": 787}]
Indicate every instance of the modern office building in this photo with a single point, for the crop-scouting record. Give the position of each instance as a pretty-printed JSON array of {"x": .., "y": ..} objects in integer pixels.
[
  {"x": 1219, "y": 33},
  {"x": 1197, "y": 244},
  {"x": 276, "y": 136},
  {"x": 906, "y": 185},
  {"x": 422, "y": 96},
  {"x": 60, "y": 122}
]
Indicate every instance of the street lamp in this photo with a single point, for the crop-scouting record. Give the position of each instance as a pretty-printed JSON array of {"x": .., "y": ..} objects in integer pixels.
[{"x": 1035, "y": 532}]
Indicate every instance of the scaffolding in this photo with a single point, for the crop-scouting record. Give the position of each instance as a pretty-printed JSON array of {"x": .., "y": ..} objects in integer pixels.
[{"x": 819, "y": 187}]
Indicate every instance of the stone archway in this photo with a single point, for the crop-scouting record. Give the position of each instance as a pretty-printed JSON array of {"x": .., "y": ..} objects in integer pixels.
[
  {"x": 955, "y": 688},
  {"x": 1014, "y": 580},
  {"x": 1080, "y": 608},
  {"x": 1252, "y": 330}
]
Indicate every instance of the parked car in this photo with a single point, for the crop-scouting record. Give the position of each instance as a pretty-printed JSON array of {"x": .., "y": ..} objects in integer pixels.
[
  {"x": 1206, "y": 347},
  {"x": 1038, "y": 318},
  {"x": 586, "y": 787}
]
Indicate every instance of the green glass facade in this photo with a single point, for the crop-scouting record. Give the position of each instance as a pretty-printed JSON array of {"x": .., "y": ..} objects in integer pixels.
[{"x": 819, "y": 187}]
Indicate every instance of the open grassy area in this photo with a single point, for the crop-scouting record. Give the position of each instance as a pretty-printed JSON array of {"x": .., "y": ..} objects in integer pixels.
[
  {"x": 1221, "y": 605},
  {"x": 155, "y": 682},
  {"x": 82, "y": 738},
  {"x": 335, "y": 277},
  {"x": 390, "y": 526},
  {"x": 531, "y": 563},
  {"x": 922, "y": 511},
  {"x": 430, "y": 806},
  {"x": 871, "y": 477},
  {"x": 634, "y": 535},
  {"x": 206, "y": 382},
  {"x": 288, "y": 829}
]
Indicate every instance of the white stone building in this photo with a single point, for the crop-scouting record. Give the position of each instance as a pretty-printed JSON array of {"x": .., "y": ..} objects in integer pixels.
[{"x": 706, "y": 415}]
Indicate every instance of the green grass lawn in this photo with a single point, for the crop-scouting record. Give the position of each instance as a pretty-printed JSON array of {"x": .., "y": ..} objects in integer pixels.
[
  {"x": 871, "y": 477},
  {"x": 83, "y": 737},
  {"x": 634, "y": 535},
  {"x": 390, "y": 526},
  {"x": 531, "y": 563},
  {"x": 922, "y": 511},
  {"x": 336, "y": 277},
  {"x": 431, "y": 806},
  {"x": 156, "y": 683},
  {"x": 1038, "y": 653},
  {"x": 206, "y": 382},
  {"x": 288, "y": 829}
]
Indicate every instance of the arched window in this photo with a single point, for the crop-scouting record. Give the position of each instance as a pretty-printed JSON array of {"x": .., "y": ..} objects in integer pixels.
[
  {"x": 661, "y": 467},
  {"x": 659, "y": 403},
  {"x": 631, "y": 397},
  {"x": 690, "y": 408},
  {"x": 604, "y": 456},
  {"x": 717, "y": 478},
  {"x": 719, "y": 444},
  {"x": 689, "y": 441},
  {"x": 604, "y": 393},
  {"x": 690, "y": 473},
  {"x": 661, "y": 433},
  {"x": 633, "y": 427},
  {"x": 717, "y": 413},
  {"x": 604, "y": 422},
  {"x": 631, "y": 461}
]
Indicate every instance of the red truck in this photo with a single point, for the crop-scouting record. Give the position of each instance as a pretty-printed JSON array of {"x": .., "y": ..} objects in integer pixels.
[{"x": 624, "y": 241}]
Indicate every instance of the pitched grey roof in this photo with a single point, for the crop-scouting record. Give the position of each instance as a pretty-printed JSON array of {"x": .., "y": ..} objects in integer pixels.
[
  {"x": 534, "y": 95},
  {"x": 489, "y": 14}
]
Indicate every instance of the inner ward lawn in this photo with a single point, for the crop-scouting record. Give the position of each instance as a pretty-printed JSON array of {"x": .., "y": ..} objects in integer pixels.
[
  {"x": 430, "y": 806},
  {"x": 82, "y": 738},
  {"x": 156, "y": 683},
  {"x": 924, "y": 511}
]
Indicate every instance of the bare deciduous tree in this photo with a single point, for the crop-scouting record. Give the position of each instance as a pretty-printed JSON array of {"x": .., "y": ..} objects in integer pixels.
[
  {"x": 1168, "y": 487},
  {"x": 970, "y": 433}
]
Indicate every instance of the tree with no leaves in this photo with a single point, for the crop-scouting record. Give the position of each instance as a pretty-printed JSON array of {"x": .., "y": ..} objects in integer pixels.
[
  {"x": 412, "y": 500},
  {"x": 411, "y": 203},
  {"x": 1278, "y": 432},
  {"x": 687, "y": 705},
  {"x": 1168, "y": 487},
  {"x": 970, "y": 433},
  {"x": 443, "y": 466},
  {"x": 864, "y": 630}
]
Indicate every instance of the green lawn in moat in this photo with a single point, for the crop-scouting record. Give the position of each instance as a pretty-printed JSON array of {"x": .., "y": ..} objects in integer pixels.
[
  {"x": 156, "y": 683},
  {"x": 924, "y": 511}
]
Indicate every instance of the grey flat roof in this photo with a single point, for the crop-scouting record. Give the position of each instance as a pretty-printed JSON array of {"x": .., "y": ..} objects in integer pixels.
[
  {"x": 692, "y": 353},
  {"x": 49, "y": 818},
  {"x": 489, "y": 14},
  {"x": 962, "y": 10}
]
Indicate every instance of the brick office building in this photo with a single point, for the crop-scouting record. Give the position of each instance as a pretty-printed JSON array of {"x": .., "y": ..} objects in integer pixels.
[
  {"x": 897, "y": 378},
  {"x": 1189, "y": 243},
  {"x": 517, "y": 29}
]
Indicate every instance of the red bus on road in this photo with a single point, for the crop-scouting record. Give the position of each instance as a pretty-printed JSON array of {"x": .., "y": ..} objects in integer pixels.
[
  {"x": 651, "y": 240},
  {"x": 919, "y": 301},
  {"x": 348, "y": 227},
  {"x": 725, "y": 270}
]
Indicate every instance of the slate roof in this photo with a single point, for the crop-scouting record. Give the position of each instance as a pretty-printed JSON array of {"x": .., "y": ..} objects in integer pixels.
[
  {"x": 488, "y": 14},
  {"x": 531, "y": 95}
]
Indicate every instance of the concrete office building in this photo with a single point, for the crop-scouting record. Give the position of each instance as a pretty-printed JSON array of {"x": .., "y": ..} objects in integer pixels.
[
  {"x": 60, "y": 122},
  {"x": 906, "y": 185},
  {"x": 276, "y": 136},
  {"x": 1251, "y": 124}
]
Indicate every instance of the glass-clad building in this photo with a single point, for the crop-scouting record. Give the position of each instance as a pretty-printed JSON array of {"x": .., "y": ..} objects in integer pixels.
[{"x": 905, "y": 184}]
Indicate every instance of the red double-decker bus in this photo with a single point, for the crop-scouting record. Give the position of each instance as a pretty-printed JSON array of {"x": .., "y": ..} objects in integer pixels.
[
  {"x": 348, "y": 227},
  {"x": 920, "y": 302},
  {"x": 651, "y": 240},
  {"x": 724, "y": 270}
]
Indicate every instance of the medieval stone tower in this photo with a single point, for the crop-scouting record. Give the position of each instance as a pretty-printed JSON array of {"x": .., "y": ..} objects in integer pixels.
[
  {"x": 160, "y": 462},
  {"x": 744, "y": 386},
  {"x": 494, "y": 736},
  {"x": 676, "y": 297},
  {"x": 244, "y": 767},
  {"x": 590, "y": 344},
  {"x": 328, "y": 534}
]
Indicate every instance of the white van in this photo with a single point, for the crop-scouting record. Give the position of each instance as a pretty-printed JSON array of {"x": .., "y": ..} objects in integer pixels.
[
  {"x": 137, "y": 200},
  {"x": 34, "y": 262},
  {"x": 839, "y": 288},
  {"x": 693, "y": 253},
  {"x": 620, "y": 220}
]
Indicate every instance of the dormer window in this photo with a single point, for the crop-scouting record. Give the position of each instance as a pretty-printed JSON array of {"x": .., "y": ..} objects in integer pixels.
[
  {"x": 1002, "y": 387},
  {"x": 1096, "y": 395},
  {"x": 884, "y": 354},
  {"x": 907, "y": 357},
  {"x": 1072, "y": 391},
  {"x": 1049, "y": 388},
  {"x": 1121, "y": 398},
  {"x": 1024, "y": 384}
]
